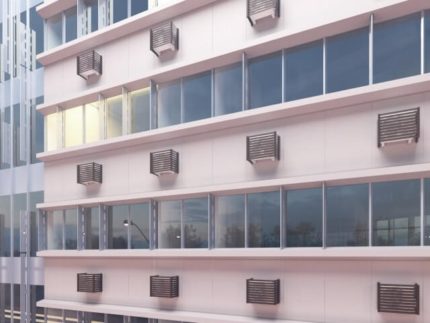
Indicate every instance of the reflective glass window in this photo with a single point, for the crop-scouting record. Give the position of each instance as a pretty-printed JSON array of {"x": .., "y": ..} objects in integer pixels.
[
  {"x": 304, "y": 71},
  {"x": 73, "y": 127},
  {"x": 91, "y": 227},
  {"x": 36, "y": 25},
  {"x": 396, "y": 48},
  {"x": 169, "y": 104},
  {"x": 117, "y": 232},
  {"x": 304, "y": 217},
  {"x": 92, "y": 117},
  {"x": 71, "y": 23},
  {"x": 71, "y": 229},
  {"x": 138, "y": 6},
  {"x": 169, "y": 224},
  {"x": 263, "y": 219},
  {"x": 114, "y": 116},
  {"x": 19, "y": 135},
  {"x": 5, "y": 138},
  {"x": 197, "y": 90},
  {"x": 347, "y": 215},
  {"x": 139, "y": 226},
  {"x": 37, "y": 131},
  {"x": 228, "y": 89},
  {"x": 5, "y": 226},
  {"x": 19, "y": 211},
  {"x": 265, "y": 80},
  {"x": 140, "y": 110},
  {"x": 54, "y": 230},
  {"x": 35, "y": 198},
  {"x": 195, "y": 218},
  {"x": 347, "y": 60},
  {"x": 92, "y": 15},
  {"x": 119, "y": 10},
  {"x": 396, "y": 213},
  {"x": 230, "y": 221}
]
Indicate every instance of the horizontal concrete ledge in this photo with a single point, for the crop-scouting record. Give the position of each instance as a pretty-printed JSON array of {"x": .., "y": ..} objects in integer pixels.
[
  {"x": 197, "y": 317},
  {"x": 331, "y": 253},
  {"x": 406, "y": 86},
  {"x": 306, "y": 181}
]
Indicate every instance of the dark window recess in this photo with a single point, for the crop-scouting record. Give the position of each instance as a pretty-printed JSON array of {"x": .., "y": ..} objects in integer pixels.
[
  {"x": 89, "y": 64},
  {"x": 264, "y": 146},
  {"x": 399, "y": 126},
  {"x": 90, "y": 173},
  {"x": 260, "y": 291},
  {"x": 259, "y": 9},
  {"x": 90, "y": 283},
  {"x": 164, "y": 38},
  {"x": 164, "y": 286},
  {"x": 164, "y": 162},
  {"x": 402, "y": 299}
]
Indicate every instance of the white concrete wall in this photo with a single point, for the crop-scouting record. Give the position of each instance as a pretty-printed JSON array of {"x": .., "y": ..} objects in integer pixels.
[
  {"x": 311, "y": 291},
  {"x": 324, "y": 142}
]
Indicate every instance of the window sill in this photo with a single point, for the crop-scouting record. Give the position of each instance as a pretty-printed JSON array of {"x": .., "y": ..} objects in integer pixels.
[{"x": 333, "y": 253}]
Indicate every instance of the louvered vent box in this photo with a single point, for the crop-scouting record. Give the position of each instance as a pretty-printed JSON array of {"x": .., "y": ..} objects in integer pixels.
[
  {"x": 259, "y": 291},
  {"x": 164, "y": 286},
  {"x": 259, "y": 9},
  {"x": 402, "y": 299},
  {"x": 164, "y": 162},
  {"x": 164, "y": 38},
  {"x": 90, "y": 64},
  {"x": 399, "y": 126},
  {"x": 90, "y": 173},
  {"x": 90, "y": 283},
  {"x": 262, "y": 147}
]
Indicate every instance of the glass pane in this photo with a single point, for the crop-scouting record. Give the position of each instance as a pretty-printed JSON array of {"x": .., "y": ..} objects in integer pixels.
[
  {"x": 228, "y": 89},
  {"x": 263, "y": 219},
  {"x": 138, "y": 320},
  {"x": 70, "y": 316},
  {"x": 396, "y": 213},
  {"x": 138, "y": 6},
  {"x": 196, "y": 223},
  {"x": 36, "y": 294},
  {"x": 304, "y": 71},
  {"x": 304, "y": 218},
  {"x": 169, "y": 224},
  {"x": 35, "y": 197},
  {"x": 114, "y": 116},
  {"x": 73, "y": 127},
  {"x": 94, "y": 318},
  {"x": 91, "y": 228},
  {"x": 16, "y": 303},
  {"x": 71, "y": 229},
  {"x": 36, "y": 24},
  {"x": 55, "y": 230},
  {"x": 55, "y": 31},
  {"x": 119, "y": 10},
  {"x": 427, "y": 42},
  {"x": 230, "y": 221},
  {"x": 37, "y": 131},
  {"x": 92, "y": 122},
  {"x": 5, "y": 138},
  {"x": 51, "y": 124},
  {"x": 71, "y": 23},
  {"x": 197, "y": 96},
  {"x": 139, "y": 226},
  {"x": 5, "y": 226},
  {"x": 169, "y": 104},
  {"x": 265, "y": 80},
  {"x": 5, "y": 304},
  {"x": 348, "y": 215},
  {"x": 92, "y": 14},
  {"x": 117, "y": 232},
  {"x": 140, "y": 110},
  {"x": 427, "y": 211},
  {"x": 19, "y": 135},
  {"x": 396, "y": 48},
  {"x": 347, "y": 60},
  {"x": 19, "y": 209},
  {"x": 115, "y": 318}
]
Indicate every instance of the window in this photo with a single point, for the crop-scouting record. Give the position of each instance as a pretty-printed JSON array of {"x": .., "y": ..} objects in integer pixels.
[
  {"x": 263, "y": 218},
  {"x": 169, "y": 224},
  {"x": 92, "y": 118},
  {"x": 54, "y": 31},
  {"x": 91, "y": 16},
  {"x": 427, "y": 42},
  {"x": 55, "y": 230},
  {"x": 19, "y": 135},
  {"x": 114, "y": 116},
  {"x": 35, "y": 197},
  {"x": 19, "y": 210},
  {"x": 228, "y": 89},
  {"x": 5, "y": 138},
  {"x": 91, "y": 227},
  {"x": 396, "y": 47},
  {"x": 304, "y": 71},
  {"x": 265, "y": 80},
  {"x": 140, "y": 110},
  {"x": 169, "y": 104},
  {"x": 51, "y": 130},
  {"x": 195, "y": 218},
  {"x": 427, "y": 211},
  {"x": 139, "y": 226},
  {"x": 347, "y": 60},
  {"x": 37, "y": 133},
  {"x": 62, "y": 226},
  {"x": 230, "y": 221},
  {"x": 71, "y": 229},
  {"x": 197, "y": 99},
  {"x": 347, "y": 215},
  {"x": 138, "y": 6},
  {"x": 119, "y": 10},
  {"x": 73, "y": 126},
  {"x": 304, "y": 218},
  {"x": 5, "y": 228},
  {"x": 71, "y": 23},
  {"x": 117, "y": 232},
  {"x": 396, "y": 213},
  {"x": 36, "y": 24}
]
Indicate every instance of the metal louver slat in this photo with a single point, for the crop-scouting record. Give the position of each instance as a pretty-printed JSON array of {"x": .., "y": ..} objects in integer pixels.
[
  {"x": 164, "y": 162},
  {"x": 89, "y": 173},
  {"x": 396, "y": 298},
  {"x": 259, "y": 291},
  {"x": 399, "y": 126},
  {"x": 264, "y": 146},
  {"x": 89, "y": 283},
  {"x": 259, "y": 9},
  {"x": 164, "y": 38},
  {"x": 164, "y": 286},
  {"x": 89, "y": 64}
]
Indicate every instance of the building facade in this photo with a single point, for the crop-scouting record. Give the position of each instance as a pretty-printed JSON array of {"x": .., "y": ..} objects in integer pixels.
[{"x": 236, "y": 161}]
